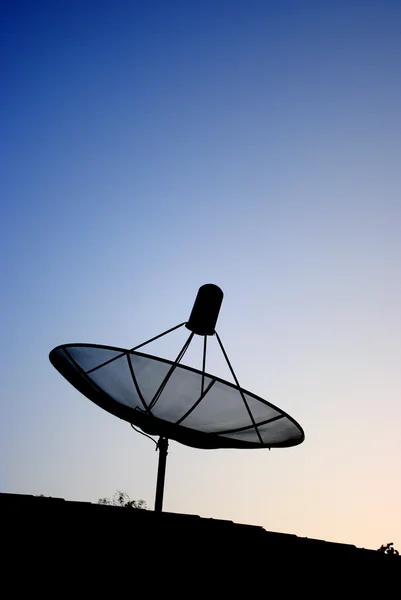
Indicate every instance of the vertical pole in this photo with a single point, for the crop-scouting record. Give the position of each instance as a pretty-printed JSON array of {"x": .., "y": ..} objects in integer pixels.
[{"x": 162, "y": 446}]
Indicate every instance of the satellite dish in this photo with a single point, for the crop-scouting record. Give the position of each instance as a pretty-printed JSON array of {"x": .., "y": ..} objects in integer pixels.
[{"x": 168, "y": 399}]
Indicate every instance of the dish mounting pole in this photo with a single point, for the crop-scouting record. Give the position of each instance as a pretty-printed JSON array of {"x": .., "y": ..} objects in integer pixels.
[{"x": 162, "y": 447}]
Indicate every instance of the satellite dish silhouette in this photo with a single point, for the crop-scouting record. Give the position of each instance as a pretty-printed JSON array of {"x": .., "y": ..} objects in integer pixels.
[{"x": 168, "y": 399}]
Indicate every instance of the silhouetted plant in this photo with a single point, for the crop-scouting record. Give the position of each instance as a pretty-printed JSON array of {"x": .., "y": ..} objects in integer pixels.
[
  {"x": 388, "y": 549},
  {"x": 122, "y": 499}
]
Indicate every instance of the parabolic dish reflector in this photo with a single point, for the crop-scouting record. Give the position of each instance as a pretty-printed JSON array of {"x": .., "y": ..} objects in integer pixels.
[{"x": 173, "y": 400}]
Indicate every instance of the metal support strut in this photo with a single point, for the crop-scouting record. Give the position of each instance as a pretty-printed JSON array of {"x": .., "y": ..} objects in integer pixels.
[{"x": 162, "y": 447}]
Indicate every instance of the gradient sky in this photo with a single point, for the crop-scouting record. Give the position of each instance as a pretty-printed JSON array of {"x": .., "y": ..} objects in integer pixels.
[{"x": 151, "y": 147}]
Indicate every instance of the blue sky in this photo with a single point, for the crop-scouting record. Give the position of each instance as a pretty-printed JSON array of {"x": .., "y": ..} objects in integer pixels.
[{"x": 151, "y": 147}]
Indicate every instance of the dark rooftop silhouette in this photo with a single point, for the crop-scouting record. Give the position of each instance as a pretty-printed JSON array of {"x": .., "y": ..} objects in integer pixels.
[{"x": 79, "y": 530}]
